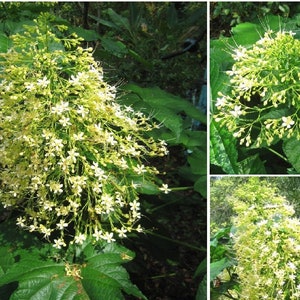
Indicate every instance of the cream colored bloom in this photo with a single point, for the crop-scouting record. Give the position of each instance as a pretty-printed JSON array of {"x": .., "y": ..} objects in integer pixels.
[{"x": 287, "y": 122}]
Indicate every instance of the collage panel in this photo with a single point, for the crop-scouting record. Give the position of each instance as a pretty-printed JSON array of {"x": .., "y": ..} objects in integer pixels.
[
  {"x": 254, "y": 75},
  {"x": 103, "y": 150},
  {"x": 255, "y": 242},
  {"x": 254, "y": 208}
]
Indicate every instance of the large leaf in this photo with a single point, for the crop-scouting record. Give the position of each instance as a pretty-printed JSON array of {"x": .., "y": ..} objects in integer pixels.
[
  {"x": 42, "y": 280},
  {"x": 116, "y": 48},
  {"x": 158, "y": 98},
  {"x": 200, "y": 186},
  {"x": 121, "y": 22},
  {"x": 252, "y": 165},
  {"x": 197, "y": 161},
  {"x": 99, "y": 277},
  {"x": 291, "y": 148},
  {"x": 5, "y": 42},
  {"x": 87, "y": 34},
  {"x": 6, "y": 259},
  {"x": 218, "y": 266},
  {"x": 223, "y": 151}
]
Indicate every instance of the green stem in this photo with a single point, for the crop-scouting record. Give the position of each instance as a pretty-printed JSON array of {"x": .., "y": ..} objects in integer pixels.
[
  {"x": 182, "y": 188},
  {"x": 163, "y": 276},
  {"x": 278, "y": 154}
]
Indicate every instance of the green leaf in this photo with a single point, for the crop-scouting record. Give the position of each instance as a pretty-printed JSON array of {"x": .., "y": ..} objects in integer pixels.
[
  {"x": 223, "y": 151},
  {"x": 140, "y": 59},
  {"x": 5, "y": 43},
  {"x": 87, "y": 34},
  {"x": 218, "y": 266},
  {"x": 201, "y": 269},
  {"x": 200, "y": 186},
  {"x": 6, "y": 259},
  {"x": 197, "y": 161},
  {"x": 146, "y": 187},
  {"x": 121, "y": 22},
  {"x": 192, "y": 139},
  {"x": 158, "y": 98},
  {"x": 291, "y": 148},
  {"x": 202, "y": 289},
  {"x": 116, "y": 48},
  {"x": 42, "y": 280},
  {"x": 245, "y": 33},
  {"x": 220, "y": 61},
  {"x": 275, "y": 114},
  {"x": 252, "y": 165},
  {"x": 99, "y": 277},
  {"x": 104, "y": 275}
]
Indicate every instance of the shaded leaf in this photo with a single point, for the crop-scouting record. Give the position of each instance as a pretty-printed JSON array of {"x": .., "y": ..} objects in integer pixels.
[
  {"x": 291, "y": 148},
  {"x": 252, "y": 165},
  {"x": 100, "y": 277},
  {"x": 87, "y": 34},
  {"x": 200, "y": 186},
  {"x": 116, "y": 48},
  {"x": 117, "y": 19},
  {"x": 158, "y": 99},
  {"x": 223, "y": 151},
  {"x": 218, "y": 266}
]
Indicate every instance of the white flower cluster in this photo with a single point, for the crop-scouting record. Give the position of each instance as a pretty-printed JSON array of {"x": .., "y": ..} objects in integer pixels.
[
  {"x": 70, "y": 154},
  {"x": 263, "y": 102}
]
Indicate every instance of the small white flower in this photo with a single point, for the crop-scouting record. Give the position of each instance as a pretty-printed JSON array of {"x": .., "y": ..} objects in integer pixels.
[
  {"x": 78, "y": 136},
  {"x": 82, "y": 111},
  {"x": 43, "y": 82},
  {"x": 98, "y": 234},
  {"x": 240, "y": 52},
  {"x": 140, "y": 169},
  {"x": 122, "y": 232},
  {"x": 237, "y": 111},
  {"x": 61, "y": 225},
  {"x": 29, "y": 86},
  {"x": 221, "y": 101},
  {"x": 287, "y": 122},
  {"x": 21, "y": 221},
  {"x": 58, "y": 243},
  {"x": 79, "y": 239},
  {"x": 134, "y": 205},
  {"x": 165, "y": 188},
  {"x": 65, "y": 121},
  {"x": 108, "y": 237}
]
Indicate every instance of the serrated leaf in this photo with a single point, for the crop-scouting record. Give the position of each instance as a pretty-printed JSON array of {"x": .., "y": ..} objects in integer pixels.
[
  {"x": 252, "y": 165},
  {"x": 291, "y": 148},
  {"x": 42, "y": 280},
  {"x": 100, "y": 277},
  {"x": 223, "y": 151},
  {"x": 104, "y": 275}
]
